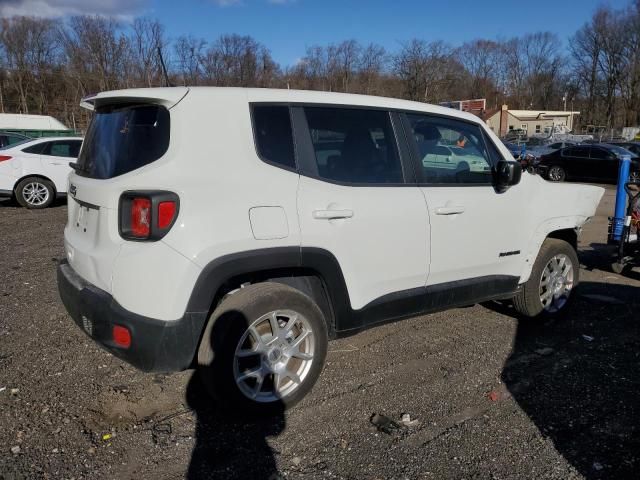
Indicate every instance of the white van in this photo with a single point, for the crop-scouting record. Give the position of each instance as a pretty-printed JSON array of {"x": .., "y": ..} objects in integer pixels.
[{"x": 237, "y": 230}]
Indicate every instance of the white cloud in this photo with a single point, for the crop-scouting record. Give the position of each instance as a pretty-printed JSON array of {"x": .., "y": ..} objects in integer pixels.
[{"x": 63, "y": 8}]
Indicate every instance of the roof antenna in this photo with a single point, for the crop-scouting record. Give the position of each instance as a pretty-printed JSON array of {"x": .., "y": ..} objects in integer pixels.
[{"x": 164, "y": 69}]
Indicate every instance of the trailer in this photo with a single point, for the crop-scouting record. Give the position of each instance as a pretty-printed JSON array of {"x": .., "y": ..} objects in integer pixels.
[{"x": 34, "y": 126}]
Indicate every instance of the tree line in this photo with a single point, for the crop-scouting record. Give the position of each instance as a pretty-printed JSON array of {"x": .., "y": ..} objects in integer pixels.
[{"x": 48, "y": 65}]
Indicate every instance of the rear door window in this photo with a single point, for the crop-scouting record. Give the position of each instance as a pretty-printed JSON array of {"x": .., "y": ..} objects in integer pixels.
[
  {"x": 581, "y": 152},
  {"x": 355, "y": 146},
  {"x": 121, "y": 139},
  {"x": 63, "y": 148},
  {"x": 600, "y": 154}
]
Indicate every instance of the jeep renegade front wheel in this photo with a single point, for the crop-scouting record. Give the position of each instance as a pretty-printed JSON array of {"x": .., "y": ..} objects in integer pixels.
[
  {"x": 263, "y": 348},
  {"x": 554, "y": 275}
]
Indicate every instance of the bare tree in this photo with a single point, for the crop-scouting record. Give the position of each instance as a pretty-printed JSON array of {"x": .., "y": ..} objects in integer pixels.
[
  {"x": 147, "y": 43},
  {"x": 96, "y": 52},
  {"x": 189, "y": 52},
  {"x": 482, "y": 60},
  {"x": 29, "y": 51},
  {"x": 426, "y": 69},
  {"x": 372, "y": 64}
]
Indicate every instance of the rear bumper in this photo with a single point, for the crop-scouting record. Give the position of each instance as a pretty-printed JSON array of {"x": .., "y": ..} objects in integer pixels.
[{"x": 156, "y": 345}]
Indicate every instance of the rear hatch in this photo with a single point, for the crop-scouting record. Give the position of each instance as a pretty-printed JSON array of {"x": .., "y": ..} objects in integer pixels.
[{"x": 130, "y": 130}]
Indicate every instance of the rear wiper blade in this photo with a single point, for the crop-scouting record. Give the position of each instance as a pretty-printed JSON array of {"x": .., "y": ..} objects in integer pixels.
[{"x": 77, "y": 167}]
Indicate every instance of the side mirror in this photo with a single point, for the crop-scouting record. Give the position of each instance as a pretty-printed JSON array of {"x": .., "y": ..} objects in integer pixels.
[{"x": 507, "y": 174}]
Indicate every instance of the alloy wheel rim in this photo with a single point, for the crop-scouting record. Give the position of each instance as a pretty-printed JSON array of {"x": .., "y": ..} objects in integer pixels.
[
  {"x": 556, "y": 283},
  {"x": 555, "y": 174},
  {"x": 35, "y": 193},
  {"x": 274, "y": 356}
]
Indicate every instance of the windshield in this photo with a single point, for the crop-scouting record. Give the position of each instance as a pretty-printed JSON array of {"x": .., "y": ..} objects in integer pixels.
[{"x": 123, "y": 138}]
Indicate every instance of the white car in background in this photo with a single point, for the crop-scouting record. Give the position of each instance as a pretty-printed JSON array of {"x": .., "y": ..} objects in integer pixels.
[{"x": 36, "y": 171}]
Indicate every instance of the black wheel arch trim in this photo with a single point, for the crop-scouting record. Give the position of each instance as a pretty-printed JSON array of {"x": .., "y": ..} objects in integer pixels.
[
  {"x": 35, "y": 175},
  {"x": 278, "y": 264}
]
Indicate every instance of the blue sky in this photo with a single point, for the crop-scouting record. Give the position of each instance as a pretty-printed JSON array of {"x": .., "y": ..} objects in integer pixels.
[{"x": 288, "y": 27}]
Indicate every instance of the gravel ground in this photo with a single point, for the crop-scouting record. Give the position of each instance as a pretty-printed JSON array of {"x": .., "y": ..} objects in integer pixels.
[{"x": 494, "y": 396}]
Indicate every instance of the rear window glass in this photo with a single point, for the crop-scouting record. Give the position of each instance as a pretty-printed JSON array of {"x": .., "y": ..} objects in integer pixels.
[
  {"x": 274, "y": 138},
  {"x": 123, "y": 138},
  {"x": 37, "y": 148}
]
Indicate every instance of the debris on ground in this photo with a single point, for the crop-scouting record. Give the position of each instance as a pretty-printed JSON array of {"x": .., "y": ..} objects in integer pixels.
[
  {"x": 384, "y": 424},
  {"x": 106, "y": 436},
  {"x": 588, "y": 338},
  {"x": 499, "y": 393},
  {"x": 15, "y": 450},
  {"x": 407, "y": 422}
]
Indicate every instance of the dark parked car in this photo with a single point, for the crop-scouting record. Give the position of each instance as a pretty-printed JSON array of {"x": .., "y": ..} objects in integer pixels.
[
  {"x": 9, "y": 138},
  {"x": 633, "y": 147},
  {"x": 597, "y": 162}
]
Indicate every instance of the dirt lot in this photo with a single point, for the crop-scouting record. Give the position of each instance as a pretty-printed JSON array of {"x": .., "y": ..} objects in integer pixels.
[{"x": 495, "y": 396}]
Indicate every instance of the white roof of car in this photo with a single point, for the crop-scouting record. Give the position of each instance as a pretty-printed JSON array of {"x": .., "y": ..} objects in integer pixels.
[
  {"x": 170, "y": 96},
  {"x": 47, "y": 139},
  {"x": 34, "y": 141},
  {"x": 19, "y": 121}
]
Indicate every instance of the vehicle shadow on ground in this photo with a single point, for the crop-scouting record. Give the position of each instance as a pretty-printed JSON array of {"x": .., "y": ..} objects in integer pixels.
[
  {"x": 578, "y": 379},
  {"x": 230, "y": 444},
  {"x": 12, "y": 203},
  {"x": 595, "y": 260}
]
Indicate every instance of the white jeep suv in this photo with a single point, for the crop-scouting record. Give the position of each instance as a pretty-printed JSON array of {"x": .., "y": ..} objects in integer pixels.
[{"x": 237, "y": 230}]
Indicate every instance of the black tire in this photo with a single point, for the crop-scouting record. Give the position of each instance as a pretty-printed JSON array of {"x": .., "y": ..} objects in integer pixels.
[
  {"x": 528, "y": 301},
  {"x": 556, "y": 173},
  {"x": 26, "y": 187},
  {"x": 226, "y": 327}
]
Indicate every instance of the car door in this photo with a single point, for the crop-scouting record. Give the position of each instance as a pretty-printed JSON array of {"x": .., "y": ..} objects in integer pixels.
[
  {"x": 577, "y": 163},
  {"x": 604, "y": 164},
  {"x": 477, "y": 237},
  {"x": 354, "y": 202},
  {"x": 55, "y": 158}
]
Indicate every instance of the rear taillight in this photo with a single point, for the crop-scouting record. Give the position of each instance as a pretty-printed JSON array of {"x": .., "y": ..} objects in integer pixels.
[
  {"x": 140, "y": 217},
  {"x": 147, "y": 215},
  {"x": 166, "y": 214},
  {"x": 5, "y": 157}
]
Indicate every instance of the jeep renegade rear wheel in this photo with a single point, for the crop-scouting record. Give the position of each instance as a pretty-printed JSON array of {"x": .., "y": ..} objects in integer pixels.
[
  {"x": 554, "y": 276},
  {"x": 263, "y": 348}
]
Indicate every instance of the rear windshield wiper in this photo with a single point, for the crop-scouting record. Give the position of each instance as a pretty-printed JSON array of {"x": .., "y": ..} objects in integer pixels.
[{"x": 77, "y": 167}]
